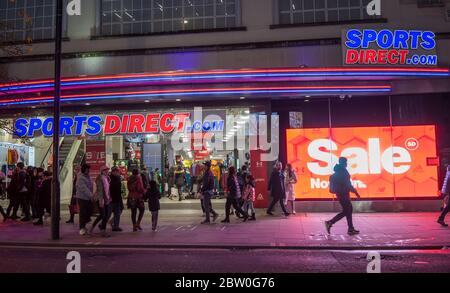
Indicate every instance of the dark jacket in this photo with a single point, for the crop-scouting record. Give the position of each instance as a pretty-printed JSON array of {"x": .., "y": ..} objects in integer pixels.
[
  {"x": 234, "y": 190},
  {"x": 23, "y": 180},
  {"x": 340, "y": 181},
  {"x": 208, "y": 181},
  {"x": 153, "y": 200},
  {"x": 45, "y": 194},
  {"x": 115, "y": 189},
  {"x": 276, "y": 184}
]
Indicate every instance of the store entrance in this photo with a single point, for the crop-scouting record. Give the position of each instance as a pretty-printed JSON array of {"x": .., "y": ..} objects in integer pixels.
[{"x": 178, "y": 170}]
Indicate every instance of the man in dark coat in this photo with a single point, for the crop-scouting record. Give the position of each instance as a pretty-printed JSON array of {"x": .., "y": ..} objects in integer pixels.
[
  {"x": 341, "y": 185},
  {"x": 44, "y": 198},
  {"x": 115, "y": 190},
  {"x": 207, "y": 192},
  {"x": 277, "y": 189}
]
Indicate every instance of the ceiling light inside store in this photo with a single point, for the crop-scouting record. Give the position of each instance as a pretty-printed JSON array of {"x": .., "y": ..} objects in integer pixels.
[
  {"x": 247, "y": 111},
  {"x": 242, "y": 98},
  {"x": 147, "y": 101},
  {"x": 88, "y": 104},
  {"x": 178, "y": 100}
]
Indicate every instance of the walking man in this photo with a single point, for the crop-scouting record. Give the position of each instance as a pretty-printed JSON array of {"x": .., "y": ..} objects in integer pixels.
[
  {"x": 84, "y": 196},
  {"x": 445, "y": 192},
  {"x": 341, "y": 185},
  {"x": 277, "y": 189},
  {"x": 115, "y": 190},
  {"x": 207, "y": 192}
]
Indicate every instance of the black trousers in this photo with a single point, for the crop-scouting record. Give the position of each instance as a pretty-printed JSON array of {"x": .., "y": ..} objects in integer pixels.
[
  {"x": 347, "y": 210},
  {"x": 13, "y": 205},
  {"x": 274, "y": 202},
  {"x": 24, "y": 199},
  {"x": 207, "y": 205},
  {"x": 236, "y": 205},
  {"x": 444, "y": 212},
  {"x": 134, "y": 215},
  {"x": 85, "y": 212}
]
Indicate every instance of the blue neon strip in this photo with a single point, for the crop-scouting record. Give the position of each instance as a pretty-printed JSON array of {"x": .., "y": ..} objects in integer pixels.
[
  {"x": 230, "y": 76},
  {"x": 197, "y": 94}
]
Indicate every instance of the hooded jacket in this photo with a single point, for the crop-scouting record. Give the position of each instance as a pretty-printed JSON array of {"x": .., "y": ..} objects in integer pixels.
[
  {"x": 446, "y": 184},
  {"x": 340, "y": 181}
]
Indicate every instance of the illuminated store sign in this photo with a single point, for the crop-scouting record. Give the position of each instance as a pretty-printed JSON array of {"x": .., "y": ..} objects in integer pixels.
[
  {"x": 148, "y": 123},
  {"x": 383, "y": 162},
  {"x": 389, "y": 47}
]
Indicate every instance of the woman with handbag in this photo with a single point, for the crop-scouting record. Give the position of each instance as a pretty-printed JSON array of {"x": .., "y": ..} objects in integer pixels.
[
  {"x": 290, "y": 180},
  {"x": 136, "y": 199}
]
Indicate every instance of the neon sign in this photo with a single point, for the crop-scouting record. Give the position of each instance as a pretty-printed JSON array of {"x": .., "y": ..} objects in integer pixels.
[
  {"x": 389, "y": 47},
  {"x": 383, "y": 162},
  {"x": 149, "y": 123}
]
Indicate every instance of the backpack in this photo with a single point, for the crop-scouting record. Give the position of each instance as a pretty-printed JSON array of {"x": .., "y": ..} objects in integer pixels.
[{"x": 333, "y": 184}]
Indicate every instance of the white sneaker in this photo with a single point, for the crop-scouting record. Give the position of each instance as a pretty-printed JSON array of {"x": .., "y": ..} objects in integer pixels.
[{"x": 83, "y": 232}]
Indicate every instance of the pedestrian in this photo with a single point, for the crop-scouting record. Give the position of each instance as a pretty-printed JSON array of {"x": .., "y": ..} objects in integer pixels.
[
  {"x": 36, "y": 205},
  {"x": 290, "y": 181},
  {"x": 44, "y": 198},
  {"x": 157, "y": 179},
  {"x": 24, "y": 189},
  {"x": 115, "y": 189},
  {"x": 73, "y": 207},
  {"x": 13, "y": 196},
  {"x": 277, "y": 189},
  {"x": 249, "y": 197},
  {"x": 102, "y": 200},
  {"x": 32, "y": 176},
  {"x": 207, "y": 191},
  {"x": 2, "y": 193},
  {"x": 84, "y": 196},
  {"x": 445, "y": 192},
  {"x": 136, "y": 199},
  {"x": 341, "y": 185},
  {"x": 180, "y": 180},
  {"x": 145, "y": 178},
  {"x": 154, "y": 195},
  {"x": 234, "y": 196}
]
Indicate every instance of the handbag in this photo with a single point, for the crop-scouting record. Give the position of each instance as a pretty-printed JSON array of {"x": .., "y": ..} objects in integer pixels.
[{"x": 74, "y": 209}]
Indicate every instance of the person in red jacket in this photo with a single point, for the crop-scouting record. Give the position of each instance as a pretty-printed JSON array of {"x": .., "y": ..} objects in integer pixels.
[{"x": 136, "y": 199}]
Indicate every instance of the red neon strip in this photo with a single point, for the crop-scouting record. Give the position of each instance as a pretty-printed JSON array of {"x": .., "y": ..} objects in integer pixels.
[
  {"x": 281, "y": 70},
  {"x": 202, "y": 90}
]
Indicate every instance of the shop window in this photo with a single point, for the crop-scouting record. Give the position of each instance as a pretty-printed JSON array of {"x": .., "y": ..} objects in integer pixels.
[
  {"x": 155, "y": 16},
  {"x": 321, "y": 11},
  {"x": 27, "y": 20}
]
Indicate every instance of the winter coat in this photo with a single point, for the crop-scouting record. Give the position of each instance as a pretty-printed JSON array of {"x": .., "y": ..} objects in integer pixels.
[
  {"x": 153, "y": 200},
  {"x": 208, "y": 182},
  {"x": 276, "y": 185},
  {"x": 446, "y": 184},
  {"x": 234, "y": 190},
  {"x": 340, "y": 182},
  {"x": 290, "y": 181},
  {"x": 136, "y": 188},
  {"x": 84, "y": 187},
  {"x": 249, "y": 193},
  {"x": 115, "y": 188}
]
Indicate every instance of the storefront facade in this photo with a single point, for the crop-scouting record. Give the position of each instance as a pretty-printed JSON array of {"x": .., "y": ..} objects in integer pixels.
[{"x": 350, "y": 86}]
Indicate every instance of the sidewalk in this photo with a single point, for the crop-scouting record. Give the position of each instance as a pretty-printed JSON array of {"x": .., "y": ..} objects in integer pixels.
[{"x": 182, "y": 229}]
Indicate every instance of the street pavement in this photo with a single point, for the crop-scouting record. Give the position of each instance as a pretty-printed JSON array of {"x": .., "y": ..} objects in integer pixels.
[
  {"x": 131, "y": 260},
  {"x": 182, "y": 229}
]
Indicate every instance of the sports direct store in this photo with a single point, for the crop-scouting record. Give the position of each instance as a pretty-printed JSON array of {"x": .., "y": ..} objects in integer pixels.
[{"x": 384, "y": 162}]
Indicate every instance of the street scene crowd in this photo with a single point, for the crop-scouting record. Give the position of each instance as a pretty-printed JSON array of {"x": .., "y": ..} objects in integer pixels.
[{"x": 101, "y": 202}]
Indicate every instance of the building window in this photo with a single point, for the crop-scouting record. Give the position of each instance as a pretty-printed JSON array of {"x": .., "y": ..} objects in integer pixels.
[
  {"x": 123, "y": 17},
  {"x": 430, "y": 3},
  {"x": 321, "y": 11},
  {"x": 27, "y": 20}
]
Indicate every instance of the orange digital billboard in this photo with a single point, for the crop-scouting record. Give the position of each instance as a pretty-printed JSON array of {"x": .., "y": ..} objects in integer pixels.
[{"x": 384, "y": 162}]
